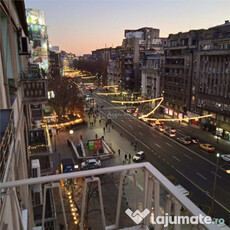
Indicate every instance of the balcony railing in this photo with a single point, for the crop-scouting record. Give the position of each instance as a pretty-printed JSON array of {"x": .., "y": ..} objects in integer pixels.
[
  {"x": 144, "y": 187},
  {"x": 6, "y": 141}
]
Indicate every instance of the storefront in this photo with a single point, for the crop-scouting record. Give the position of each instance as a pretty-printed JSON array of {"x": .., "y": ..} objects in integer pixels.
[{"x": 227, "y": 135}]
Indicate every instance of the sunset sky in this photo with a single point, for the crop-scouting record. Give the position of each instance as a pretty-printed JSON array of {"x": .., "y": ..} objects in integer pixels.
[{"x": 80, "y": 26}]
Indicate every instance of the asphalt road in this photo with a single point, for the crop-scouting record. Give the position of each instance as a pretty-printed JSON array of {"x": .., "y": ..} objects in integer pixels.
[{"x": 193, "y": 167}]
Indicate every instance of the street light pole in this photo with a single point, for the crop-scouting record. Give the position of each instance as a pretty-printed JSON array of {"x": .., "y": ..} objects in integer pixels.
[{"x": 214, "y": 188}]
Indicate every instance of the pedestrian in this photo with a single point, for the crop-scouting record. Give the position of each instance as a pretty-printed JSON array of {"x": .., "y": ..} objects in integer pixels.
[
  {"x": 119, "y": 152},
  {"x": 104, "y": 129},
  {"x": 96, "y": 136},
  {"x": 125, "y": 157},
  {"x": 130, "y": 156},
  {"x": 100, "y": 121},
  {"x": 81, "y": 137}
]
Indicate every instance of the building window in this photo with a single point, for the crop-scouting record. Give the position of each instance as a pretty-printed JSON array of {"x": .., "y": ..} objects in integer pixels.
[{"x": 6, "y": 45}]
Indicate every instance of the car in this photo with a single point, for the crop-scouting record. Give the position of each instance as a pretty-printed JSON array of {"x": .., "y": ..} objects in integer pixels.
[
  {"x": 91, "y": 164},
  {"x": 207, "y": 147},
  {"x": 170, "y": 133},
  {"x": 172, "y": 129},
  {"x": 193, "y": 139},
  {"x": 151, "y": 123},
  {"x": 128, "y": 111},
  {"x": 139, "y": 156},
  {"x": 225, "y": 157},
  {"x": 182, "y": 190},
  {"x": 160, "y": 128},
  {"x": 184, "y": 140}
]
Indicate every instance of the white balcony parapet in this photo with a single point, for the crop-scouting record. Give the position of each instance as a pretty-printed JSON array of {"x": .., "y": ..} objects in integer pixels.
[{"x": 152, "y": 182}]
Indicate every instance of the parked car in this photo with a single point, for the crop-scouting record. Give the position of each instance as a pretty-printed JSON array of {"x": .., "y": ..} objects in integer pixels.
[
  {"x": 152, "y": 123},
  {"x": 91, "y": 164},
  {"x": 139, "y": 156},
  {"x": 160, "y": 128},
  {"x": 225, "y": 157},
  {"x": 184, "y": 140},
  {"x": 170, "y": 133},
  {"x": 207, "y": 147},
  {"x": 193, "y": 139}
]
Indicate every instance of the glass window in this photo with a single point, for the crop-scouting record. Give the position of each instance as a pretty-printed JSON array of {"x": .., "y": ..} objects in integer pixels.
[
  {"x": 6, "y": 45},
  {"x": 18, "y": 59}
]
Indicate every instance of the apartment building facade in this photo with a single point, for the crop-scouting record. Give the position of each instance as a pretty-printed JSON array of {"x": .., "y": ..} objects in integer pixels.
[
  {"x": 211, "y": 80},
  {"x": 150, "y": 69},
  {"x": 13, "y": 137},
  {"x": 176, "y": 72},
  {"x": 134, "y": 45},
  {"x": 114, "y": 67}
]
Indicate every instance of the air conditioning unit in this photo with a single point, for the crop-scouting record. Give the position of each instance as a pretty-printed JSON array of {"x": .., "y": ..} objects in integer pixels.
[{"x": 24, "y": 48}]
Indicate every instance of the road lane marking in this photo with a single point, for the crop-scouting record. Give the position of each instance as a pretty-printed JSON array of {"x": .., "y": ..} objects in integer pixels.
[
  {"x": 182, "y": 174},
  {"x": 187, "y": 156},
  {"x": 139, "y": 126},
  {"x": 158, "y": 145},
  {"x": 201, "y": 175},
  {"x": 205, "y": 159},
  {"x": 176, "y": 158},
  {"x": 168, "y": 144},
  {"x": 216, "y": 174},
  {"x": 130, "y": 126},
  {"x": 122, "y": 121},
  {"x": 205, "y": 152},
  {"x": 140, "y": 133}
]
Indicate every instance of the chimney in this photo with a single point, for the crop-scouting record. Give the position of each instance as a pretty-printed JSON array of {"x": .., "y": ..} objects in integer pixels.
[{"x": 226, "y": 21}]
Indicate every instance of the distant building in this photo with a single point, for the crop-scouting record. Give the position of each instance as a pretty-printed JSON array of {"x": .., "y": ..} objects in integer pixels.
[
  {"x": 66, "y": 59},
  {"x": 87, "y": 57},
  {"x": 54, "y": 62},
  {"x": 103, "y": 54},
  {"x": 114, "y": 67},
  {"x": 176, "y": 72},
  {"x": 195, "y": 78},
  {"x": 134, "y": 45},
  {"x": 150, "y": 69}
]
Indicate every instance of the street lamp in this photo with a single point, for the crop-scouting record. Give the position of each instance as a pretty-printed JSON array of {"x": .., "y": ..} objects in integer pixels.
[
  {"x": 214, "y": 187},
  {"x": 71, "y": 134}
]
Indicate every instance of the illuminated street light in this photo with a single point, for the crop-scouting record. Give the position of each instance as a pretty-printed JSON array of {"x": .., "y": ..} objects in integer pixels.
[
  {"x": 71, "y": 132},
  {"x": 228, "y": 171}
]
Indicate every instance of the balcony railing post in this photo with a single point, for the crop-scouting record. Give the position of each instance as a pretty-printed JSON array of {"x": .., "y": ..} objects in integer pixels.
[
  {"x": 177, "y": 208},
  {"x": 62, "y": 205},
  {"x": 168, "y": 207},
  {"x": 156, "y": 201},
  {"x": 101, "y": 202},
  {"x": 119, "y": 201},
  {"x": 44, "y": 207},
  {"x": 146, "y": 181},
  {"x": 149, "y": 200},
  {"x": 83, "y": 205},
  {"x": 87, "y": 181}
]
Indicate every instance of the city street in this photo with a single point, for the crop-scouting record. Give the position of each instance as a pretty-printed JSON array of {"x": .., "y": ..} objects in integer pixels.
[{"x": 193, "y": 167}]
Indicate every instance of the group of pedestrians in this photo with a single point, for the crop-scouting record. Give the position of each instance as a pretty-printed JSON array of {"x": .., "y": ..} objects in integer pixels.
[{"x": 127, "y": 156}]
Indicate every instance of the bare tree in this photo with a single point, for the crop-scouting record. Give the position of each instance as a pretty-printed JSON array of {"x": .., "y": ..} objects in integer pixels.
[{"x": 67, "y": 95}]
